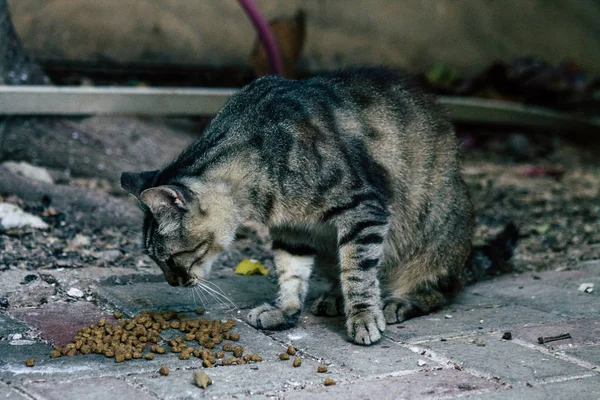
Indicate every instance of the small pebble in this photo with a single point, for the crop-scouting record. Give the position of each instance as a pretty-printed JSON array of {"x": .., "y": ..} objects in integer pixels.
[
  {"x": 507, "y": 336},
  {"x": 421, "y": 363},
  {"x": 74, "y": 292},
  {"x": 201, "y": 379}
]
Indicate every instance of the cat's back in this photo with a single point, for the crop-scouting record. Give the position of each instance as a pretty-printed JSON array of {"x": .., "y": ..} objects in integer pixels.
[{"x": 348, "y": 100}]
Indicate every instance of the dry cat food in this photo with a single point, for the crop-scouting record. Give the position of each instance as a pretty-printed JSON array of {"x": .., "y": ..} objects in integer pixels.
[
  {"x": 238, "y": 351},
  {"x": 138, "y": 337},
  {"x": 328, "y": 382},
  {"x": 30, "y": 362},
  {"x": 291, "y": 350},
  {"x": 297, "y": 362},
  {"x": 164, "y": 370},
  {"x": 284, "y": 356},
  {"x": 321, "y": 369}
]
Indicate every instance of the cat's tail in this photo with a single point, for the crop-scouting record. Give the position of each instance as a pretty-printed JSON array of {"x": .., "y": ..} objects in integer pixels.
[{"x": 494, "y": 257}]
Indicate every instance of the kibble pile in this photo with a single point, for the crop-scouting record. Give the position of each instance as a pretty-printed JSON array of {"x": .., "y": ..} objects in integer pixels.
[{"x": 139, "y": 337}]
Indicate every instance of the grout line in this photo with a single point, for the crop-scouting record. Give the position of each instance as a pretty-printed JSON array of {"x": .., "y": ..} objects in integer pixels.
[
  {"x": 429, "y": 339},
  {"x": 138, "y": 387},
  {"x": 18, "y": 389},
  {"x": 561, "y": 379},
  {"x": 446, "y": 363},
  {"x": 557, "y": 354}
]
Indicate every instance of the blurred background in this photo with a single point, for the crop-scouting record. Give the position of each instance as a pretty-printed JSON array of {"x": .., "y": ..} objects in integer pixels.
[{"x": 465, "y": 36}]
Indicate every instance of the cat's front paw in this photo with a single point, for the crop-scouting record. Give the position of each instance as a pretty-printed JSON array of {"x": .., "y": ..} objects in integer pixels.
[
  {"x": 267, "y": 316},
  {"x": 365, "y": 327}
]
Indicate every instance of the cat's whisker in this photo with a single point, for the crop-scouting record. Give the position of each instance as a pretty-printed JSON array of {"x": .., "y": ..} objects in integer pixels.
[
  {"x": 192, "y": 295},
  {"x": 216, "y": 294},
  {"x": 218, "y": 288},
  {"x": 201, "y": 296},
  {"x": 212, "y": 295},
  {"x": 214, "y": 287}
]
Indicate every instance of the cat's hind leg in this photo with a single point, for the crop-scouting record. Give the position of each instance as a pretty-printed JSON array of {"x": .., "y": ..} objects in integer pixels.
[
  {"x": 331, "y": 302},
  {"x": 398, "y": 308},
  {"x": 418, "y": 288},
  {"x": 294, "y": 272}
]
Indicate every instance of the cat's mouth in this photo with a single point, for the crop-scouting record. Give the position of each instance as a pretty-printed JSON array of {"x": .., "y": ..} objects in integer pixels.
[
  {"x": 178, "y": 276},
  {"x": 180, "y": 279}
]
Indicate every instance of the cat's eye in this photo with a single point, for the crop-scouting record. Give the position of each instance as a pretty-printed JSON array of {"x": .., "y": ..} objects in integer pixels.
[{"x": 171, "y": 263}]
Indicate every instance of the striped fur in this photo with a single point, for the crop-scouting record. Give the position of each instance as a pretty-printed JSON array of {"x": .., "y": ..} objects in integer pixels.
[{"x": 357, "y": 175}]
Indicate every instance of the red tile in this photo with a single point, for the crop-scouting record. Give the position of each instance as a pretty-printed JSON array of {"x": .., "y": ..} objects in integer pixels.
[{"x": 59, "y": 322}]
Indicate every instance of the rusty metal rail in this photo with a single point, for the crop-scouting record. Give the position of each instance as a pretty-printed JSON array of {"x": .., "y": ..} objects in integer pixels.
[{"x": 76, "y": 100}]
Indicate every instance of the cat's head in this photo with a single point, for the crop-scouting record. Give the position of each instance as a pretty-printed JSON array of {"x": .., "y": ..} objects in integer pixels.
[{"x": 186, "y": 225}]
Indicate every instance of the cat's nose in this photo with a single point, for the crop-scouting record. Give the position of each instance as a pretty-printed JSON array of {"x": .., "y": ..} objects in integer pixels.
[{"x": 171, "y": 279}]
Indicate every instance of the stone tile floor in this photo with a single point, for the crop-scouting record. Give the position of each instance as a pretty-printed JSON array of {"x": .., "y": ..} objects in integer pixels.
[{"x": 454, "y": 353}]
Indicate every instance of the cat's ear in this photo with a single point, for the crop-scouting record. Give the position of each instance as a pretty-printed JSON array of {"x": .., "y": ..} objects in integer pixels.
[
  {"x": 165, "y": 199},
  {"x": 136, "y": 182}
]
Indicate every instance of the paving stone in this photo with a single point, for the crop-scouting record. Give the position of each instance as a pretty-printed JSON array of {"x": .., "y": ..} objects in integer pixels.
[
  {"x": 238, "y": 380},
  {"x": 500, "y": 303},
  {"x": 566, "y": 302},
  {"x": 504, "y": 359},
  {"x": 58, "y": 322},
  {"x": 13, "y": 364},
  {"x": 9, "y": 393},
  {"x": 471, "y": 297},
  {"x": 590, "y": 354},
  {"x": 326, "y": 339},
  {"x": 583, "y": 332},
  {"x": 161, "y": 296},
  {"x": 244, "y": 291},
  {"x": 16, "y": 354},
  {"x": 436, "y": 326},
  {"x": 89, "y": 389},
  {"x": 9, "y": 326},
  {"x": 580, "y": 389},
  {"x": 446, "y": 383},
  {"x": 98, "y": 365}
]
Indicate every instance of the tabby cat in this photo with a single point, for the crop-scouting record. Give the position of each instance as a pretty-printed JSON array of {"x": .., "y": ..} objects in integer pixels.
[{"x": 356, "y": 173}]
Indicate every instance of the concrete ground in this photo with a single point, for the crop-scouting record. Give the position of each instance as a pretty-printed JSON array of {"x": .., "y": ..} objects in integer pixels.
[{"x": 456, "y": 352}]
